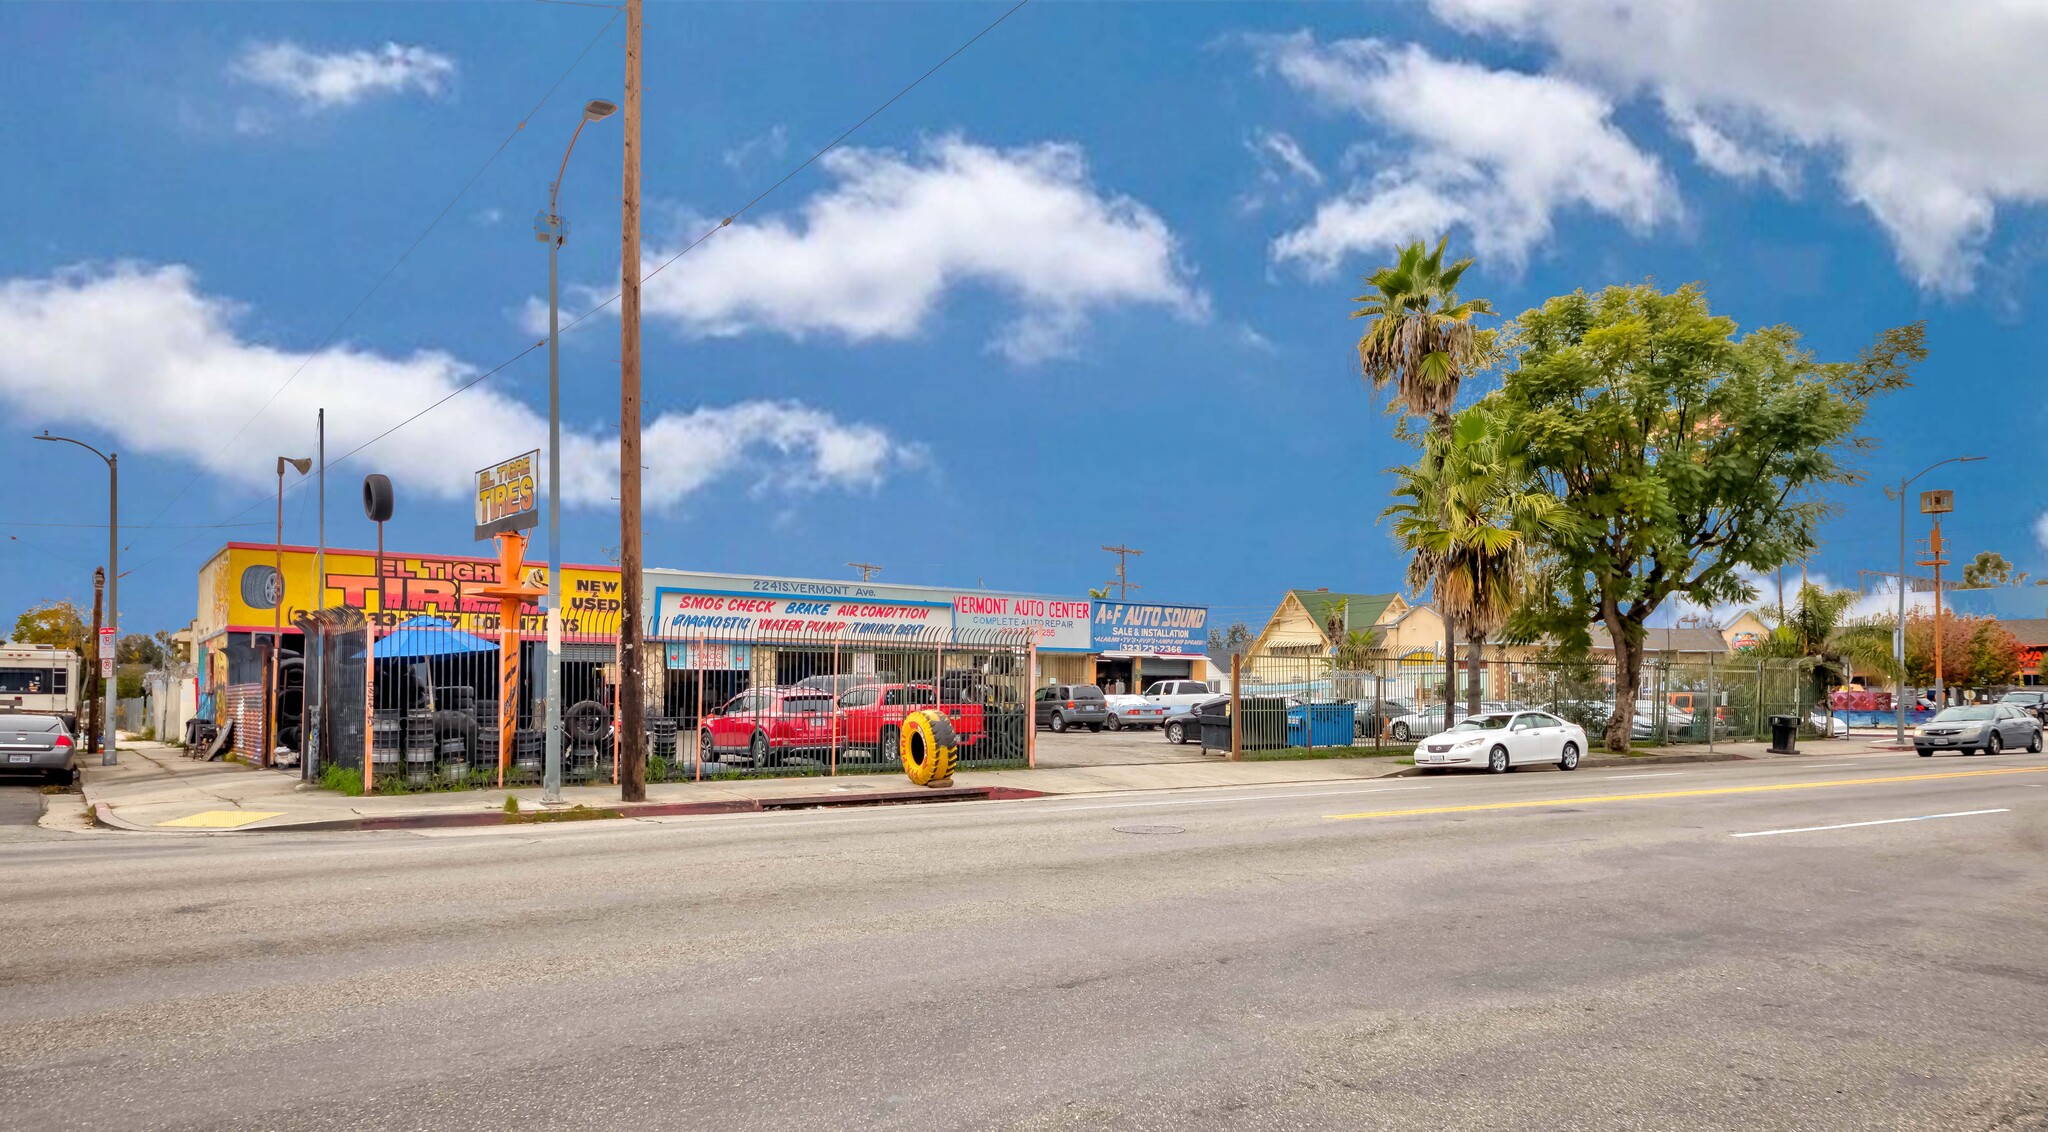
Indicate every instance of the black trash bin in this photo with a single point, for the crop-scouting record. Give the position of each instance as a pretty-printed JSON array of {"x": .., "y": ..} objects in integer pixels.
[
  {"x": 1213, "y": 720},
  {"x": 1784, "y": 734}
]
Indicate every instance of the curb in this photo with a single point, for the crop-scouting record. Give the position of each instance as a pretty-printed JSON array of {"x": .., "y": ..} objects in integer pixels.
[{"x": 103, "y": 814}]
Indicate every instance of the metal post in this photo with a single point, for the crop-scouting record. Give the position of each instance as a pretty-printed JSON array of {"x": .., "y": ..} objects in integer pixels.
[
  {"x": 1712, "y": 710},
  {"x": 551, "y": 777},
  {"x": 1236, "y": 709},
  {"x": 1940, "y": 684},
  {"x": 317, "y": 686},
  {"x": 370, "y": 675},
  {"x": 110, "y": 751},
  {"x": 276, "y": 631},
  {"x": 1899, "y": 630}
]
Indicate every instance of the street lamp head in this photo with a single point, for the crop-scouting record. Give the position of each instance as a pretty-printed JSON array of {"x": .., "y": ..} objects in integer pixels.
[
  {"x": 303, "y": 464},
  {"x": 598, "y": 108},
  {"x": 1967, "y": 459}
]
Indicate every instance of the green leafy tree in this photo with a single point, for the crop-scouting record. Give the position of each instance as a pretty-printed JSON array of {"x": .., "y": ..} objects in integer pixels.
[
  {"x": 1420, "y": 341},
  {"x": 59, "y": 623},
  {"x": 139, "y": 648},
  {"x": 1467, "y": 513},
  {"x": 1990, "y": 569},
  {"x": 1231, "y": 640},
  {"x": 1688, "y": 454}
]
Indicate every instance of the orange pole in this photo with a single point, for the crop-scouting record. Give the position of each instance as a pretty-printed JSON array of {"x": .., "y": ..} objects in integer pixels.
[
  {"x": 1934, "y": 546},
  {"x": 512, "y": 594}
]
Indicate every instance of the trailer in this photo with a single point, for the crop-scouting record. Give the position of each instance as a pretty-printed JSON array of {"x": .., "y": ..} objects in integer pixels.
[{"x": 40, "y": 680}]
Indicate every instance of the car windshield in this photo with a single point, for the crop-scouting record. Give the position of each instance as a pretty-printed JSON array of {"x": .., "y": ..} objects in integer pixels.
[
  {"x": 1087, "y": 692},
  {"x": 1483, "y": 723},
  {"x": 1964, "y": 714},
  {"x": 2019, "y": 698}
]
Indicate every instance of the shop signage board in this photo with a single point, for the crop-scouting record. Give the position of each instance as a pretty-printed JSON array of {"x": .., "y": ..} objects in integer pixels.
[
  {"x": 1059, "y": 624},
  {"x": 437, "y": 585},
  {"x": 720, "y": 656},
  {"x": 744, "y": 615},
  {"x": 508, "y": 496},
  {"x": 1162, "y": 630}
]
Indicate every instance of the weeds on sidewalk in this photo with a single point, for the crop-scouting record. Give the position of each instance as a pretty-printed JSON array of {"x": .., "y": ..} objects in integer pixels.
[{"x": 577, "y": 812}]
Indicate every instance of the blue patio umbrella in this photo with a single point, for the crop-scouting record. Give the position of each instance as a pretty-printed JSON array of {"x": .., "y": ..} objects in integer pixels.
[{"x": 428, "y": 637}]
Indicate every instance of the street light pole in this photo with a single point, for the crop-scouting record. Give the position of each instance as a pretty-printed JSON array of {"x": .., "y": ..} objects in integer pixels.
[
  {"x": 110, "y": 749},
  {"x": 552, "y": 229},
  {"x": 1899, "y": 633}
]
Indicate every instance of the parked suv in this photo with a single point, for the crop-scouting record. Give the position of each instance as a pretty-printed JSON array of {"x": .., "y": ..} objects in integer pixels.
[{"x": 1071, "y": 705}]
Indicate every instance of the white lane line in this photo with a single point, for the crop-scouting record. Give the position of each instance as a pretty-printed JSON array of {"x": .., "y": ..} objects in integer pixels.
[
  {"x": 1651, "y": 774},
  {"x": 1829, "y": 766},
  {"x": 1861, "y": 824}
]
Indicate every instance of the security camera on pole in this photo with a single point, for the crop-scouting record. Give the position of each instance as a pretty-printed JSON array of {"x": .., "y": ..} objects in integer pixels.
[{"x": 551, "y": 229}]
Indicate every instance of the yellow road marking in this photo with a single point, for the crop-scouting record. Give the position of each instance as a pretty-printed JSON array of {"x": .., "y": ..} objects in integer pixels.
[
  {"x": 221, "y": 819},
  {"x": 1528, "y": 803}
]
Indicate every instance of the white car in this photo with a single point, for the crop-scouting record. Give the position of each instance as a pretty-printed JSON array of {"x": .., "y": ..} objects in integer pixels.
[
  {"x": 1405, "y": 727},
  {"x": 1134, "y": 711},
  {"x": 1503, "y": 740},
  {"x": 1835, "y": 726}
]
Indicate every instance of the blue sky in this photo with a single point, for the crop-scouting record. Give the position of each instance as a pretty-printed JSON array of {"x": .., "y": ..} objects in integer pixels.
[{"x": 1088, "y": 284}]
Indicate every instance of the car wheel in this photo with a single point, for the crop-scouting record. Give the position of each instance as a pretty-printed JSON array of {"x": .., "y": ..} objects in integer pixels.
[
  {"x": 64, "y": 777},
  {"x": 1400, "y": 732},
  {"x": 1059, "y": 723},
  {"x": 757, "y": 748},
  {"x": 1116, "y": 723},
  {"x": 888, "y": 742},
  {"x": 1570, "y": 761},
  {"x": 1497, "y": 761},
  {"x": 706, "y": 752},
  {"x": 2034, "y": 744},
  {"x": 1176, "y": 733},
  {"x": 1925, "y": 753},
  {"x": 1095, "y": 727},
  {"x": 1994, "y": 745}
]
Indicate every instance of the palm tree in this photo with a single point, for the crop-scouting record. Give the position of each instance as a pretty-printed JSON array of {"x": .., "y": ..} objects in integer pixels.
[
  {"x": 1420, "y": 340},
  {"x": 1818, "y": 629},
  {"x": 1467, "y": 512}
]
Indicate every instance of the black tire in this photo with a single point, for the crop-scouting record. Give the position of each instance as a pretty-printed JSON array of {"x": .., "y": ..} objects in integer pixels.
[
  {"x": 64, "y": 777},
  {"x": 758, "y": 748},
  {"x": 1497, "y": 760},
  {"x": 585, "y": 721},
  {"x": 888, "y": 741},
  {"x": 377, "y": 499},
  {"x": 1096, "y": 727},
  {"x": 1115, "y": 723},
  {"x": 1925, "y": 753},
  {"x": 2034, "y": 743},
  {"x": 1177, "y": 733},
  {"x": 1994, "y": 745},
  {"x": 1058, "y": 724},
  {"x": 1399, "y": 731},
  {"x": 1570, "y": 761},
  {"x": 705, "y": 751}
]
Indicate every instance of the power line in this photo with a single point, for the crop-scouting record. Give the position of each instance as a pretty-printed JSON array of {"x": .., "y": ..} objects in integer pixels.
[
  {"x": 758, "y": 198},
  {"x": 400, "y": 261},
  {"x": 867, "y": 569}
]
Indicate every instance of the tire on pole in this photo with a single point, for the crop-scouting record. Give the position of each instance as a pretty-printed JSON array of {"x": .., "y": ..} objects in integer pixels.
[{"x": 929, "y": 748}]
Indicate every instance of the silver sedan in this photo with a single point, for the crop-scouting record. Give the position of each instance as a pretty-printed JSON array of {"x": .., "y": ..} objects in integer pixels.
[{"x": 1991, "y": 728}]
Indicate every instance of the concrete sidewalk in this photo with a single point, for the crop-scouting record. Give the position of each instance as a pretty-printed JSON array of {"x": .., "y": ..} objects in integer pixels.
[{"x": 158, "y": 789}]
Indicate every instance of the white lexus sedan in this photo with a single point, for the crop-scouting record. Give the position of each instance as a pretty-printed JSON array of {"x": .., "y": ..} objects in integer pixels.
[{"x": 1503, "y": 740}]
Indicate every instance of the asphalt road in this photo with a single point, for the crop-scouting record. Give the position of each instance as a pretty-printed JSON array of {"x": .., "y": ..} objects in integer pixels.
[{"x": 1598, "y": 950}]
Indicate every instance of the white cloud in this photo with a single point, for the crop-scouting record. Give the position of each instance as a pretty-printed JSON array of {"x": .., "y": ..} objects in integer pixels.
[
  {"x": 488, "y": 216},
  {"x": 771, "y": 146},
  {"x": 1288, "y": 153},
  {"x": 1921, "y": 109},
  {"x": 2041, "y": 532},
  {"x": 1500, "y": 152},
  {"x": 141, "y": 353},
  {"x": 343, "y": 78},
  {"x": 871, "y": 257},
  {"x": 1883, "y": 603}
]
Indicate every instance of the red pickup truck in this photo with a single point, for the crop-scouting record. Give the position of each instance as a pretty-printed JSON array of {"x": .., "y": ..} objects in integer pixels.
[{"x": 871, "y": 716}]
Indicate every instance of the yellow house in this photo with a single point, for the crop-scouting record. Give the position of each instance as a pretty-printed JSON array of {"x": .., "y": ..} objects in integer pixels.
[{"x": 1313, "y": 623}]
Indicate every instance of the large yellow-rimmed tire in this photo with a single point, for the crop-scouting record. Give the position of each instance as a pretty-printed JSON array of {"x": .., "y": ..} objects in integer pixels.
[{"x": 929, "y": 748}]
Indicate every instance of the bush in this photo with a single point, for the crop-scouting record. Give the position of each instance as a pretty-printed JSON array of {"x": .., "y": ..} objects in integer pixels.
[{"x": 342, "y": 780}]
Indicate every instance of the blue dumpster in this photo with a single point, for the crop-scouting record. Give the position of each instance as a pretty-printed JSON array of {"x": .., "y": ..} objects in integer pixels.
[{"x": 1322, "y": 725}]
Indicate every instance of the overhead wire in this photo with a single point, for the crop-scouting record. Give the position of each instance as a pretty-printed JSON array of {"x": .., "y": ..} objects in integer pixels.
[{"x": 727, "y": 221}]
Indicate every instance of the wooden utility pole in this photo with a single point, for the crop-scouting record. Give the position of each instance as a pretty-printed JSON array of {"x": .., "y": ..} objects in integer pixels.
[
  {"x": 631, "y": 741},
  {"x": 92, "y": 658},
  {"x": 1123, "y": 584},
  {"x": 867, "y": 569}
]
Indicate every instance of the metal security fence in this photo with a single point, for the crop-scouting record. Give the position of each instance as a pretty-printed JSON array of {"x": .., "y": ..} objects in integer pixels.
[
  {"x": 1396, "y": 700},
  {"x": 436, "y": 706}
]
